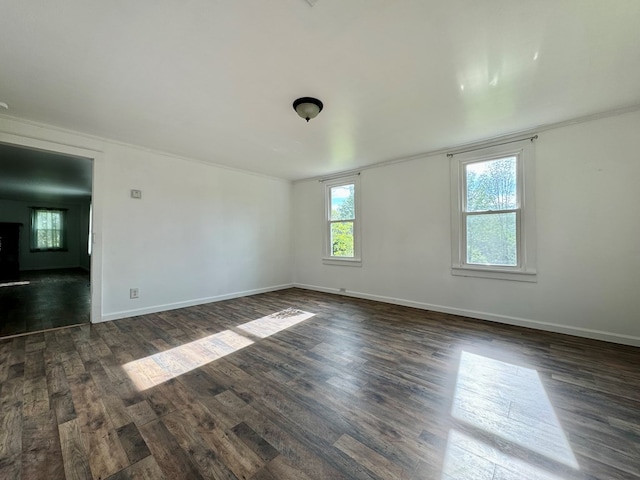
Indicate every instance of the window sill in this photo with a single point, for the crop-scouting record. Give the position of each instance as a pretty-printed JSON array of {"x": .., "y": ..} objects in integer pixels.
[
  {"x": 345, "y": 262},
  {"x": 497, "y": 274}
]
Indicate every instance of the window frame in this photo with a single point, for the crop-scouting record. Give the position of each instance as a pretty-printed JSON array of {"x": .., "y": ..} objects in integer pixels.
[
  {"x": 328, "y": 258},
  {"x": 525, "y": 270},
  {"x": 63, "y": 230}
]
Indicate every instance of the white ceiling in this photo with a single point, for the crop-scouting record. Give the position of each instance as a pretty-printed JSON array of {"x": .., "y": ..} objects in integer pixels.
[
  {"x": 214, "y": 80},
  {"x": 33, "y": 175}
]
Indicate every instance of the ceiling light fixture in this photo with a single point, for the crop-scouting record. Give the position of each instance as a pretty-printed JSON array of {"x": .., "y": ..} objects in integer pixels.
[
  {"x": 307, "y": 107},
  {"x": 4, "y": 105}
]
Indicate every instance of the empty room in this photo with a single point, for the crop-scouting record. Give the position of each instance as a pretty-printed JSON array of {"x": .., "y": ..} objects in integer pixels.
[{"x": 320, "y": 240}]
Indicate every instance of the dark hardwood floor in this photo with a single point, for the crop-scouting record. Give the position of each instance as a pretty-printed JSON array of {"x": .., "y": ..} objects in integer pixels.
[
  {"x": 44, "y": 299},
  {"x": 302, "y": 385}
]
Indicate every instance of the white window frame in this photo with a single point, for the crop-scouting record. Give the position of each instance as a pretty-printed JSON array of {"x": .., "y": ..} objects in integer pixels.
[
  {"x": 525, "y": 270},
  {"x": 328, "y": 259}
]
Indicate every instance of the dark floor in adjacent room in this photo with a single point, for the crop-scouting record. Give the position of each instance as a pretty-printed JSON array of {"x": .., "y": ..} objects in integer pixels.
[
  {"x": 44, "y": 299},
  {"x": 300, "y": 385}
]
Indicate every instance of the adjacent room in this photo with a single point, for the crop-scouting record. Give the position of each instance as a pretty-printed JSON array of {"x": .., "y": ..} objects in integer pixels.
[
  {"x": 320, "y": 239},
  {"x": 45, "y": 212}
]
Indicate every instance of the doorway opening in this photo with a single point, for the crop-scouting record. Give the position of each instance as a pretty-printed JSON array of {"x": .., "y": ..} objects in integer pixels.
[{"x": 45, "y": 239}]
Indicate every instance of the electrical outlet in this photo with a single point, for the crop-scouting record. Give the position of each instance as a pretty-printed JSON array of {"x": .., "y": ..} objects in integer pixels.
[
  {"x": 134, "y": 293},
  {"x": 137, "y": 194},
  {"x": 343, "y": 290}
]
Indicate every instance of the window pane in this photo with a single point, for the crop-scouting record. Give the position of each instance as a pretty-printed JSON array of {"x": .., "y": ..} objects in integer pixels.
[
  {"x": 342, "y": 239},
  {"x": 492, "y": 239},
  {"x": 42, "y": 220},
  {"x": 342, "y": 202},
  {"x": 48, "y": 229},
  {"x": 491, "y": 185},
  {"x": 55, "y": 239}
]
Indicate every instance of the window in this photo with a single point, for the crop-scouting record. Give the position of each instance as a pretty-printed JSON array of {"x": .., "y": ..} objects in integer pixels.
[
  {"x": 90, "y": 236},
  {"x": 342, "y": 233},
  {"x": 48, "y": 229},
  {"x": 493, "y": 218}
]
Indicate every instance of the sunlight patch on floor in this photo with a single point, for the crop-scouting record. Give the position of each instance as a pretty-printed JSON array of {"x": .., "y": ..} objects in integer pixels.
[
  {"x": 267, "y": 326},
  {"x": 467, "y": 457},
  {"x": 509, "y": 402},
  {"x": 155, "y": 369}
]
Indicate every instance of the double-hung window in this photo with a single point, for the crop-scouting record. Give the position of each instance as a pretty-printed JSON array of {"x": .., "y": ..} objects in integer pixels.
[
  {"x": 493, "y": 218},
  {"x": 48, "y": 229},
  {"x": 342, "y": 228}
]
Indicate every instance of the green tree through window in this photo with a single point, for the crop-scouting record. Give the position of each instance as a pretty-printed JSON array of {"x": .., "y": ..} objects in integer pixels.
[
  {"x": 342, "y": 220},
  {"x": 491, "y": 212}
]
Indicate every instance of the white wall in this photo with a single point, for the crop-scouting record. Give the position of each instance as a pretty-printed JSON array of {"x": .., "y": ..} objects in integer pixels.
[
  {"x": 20, "y": 212},
  {"x": 588, "y": 196},
  {"x": 200, "y": 233}
]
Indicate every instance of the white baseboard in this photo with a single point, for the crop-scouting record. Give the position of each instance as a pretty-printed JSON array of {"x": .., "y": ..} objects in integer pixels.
[
  {"x": 520, "y": 322},
  {"x": 188, "y": 303},
  {"x": 64, "y": 267}
]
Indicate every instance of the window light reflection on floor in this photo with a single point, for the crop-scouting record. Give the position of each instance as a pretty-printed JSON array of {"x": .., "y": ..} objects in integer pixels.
[
  {"x": 150, "y": 371},
  {"x": 509, "y": 402},
  {"x": 467, "y": 457},
  {"x": 14, "y": 284}
]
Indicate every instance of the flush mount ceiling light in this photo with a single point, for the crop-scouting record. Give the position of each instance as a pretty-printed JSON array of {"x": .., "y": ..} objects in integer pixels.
[{"x": 307, "y": 107}]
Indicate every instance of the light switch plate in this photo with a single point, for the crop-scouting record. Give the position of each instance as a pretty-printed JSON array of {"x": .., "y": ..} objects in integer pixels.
[{"x": 136, "y": 194}]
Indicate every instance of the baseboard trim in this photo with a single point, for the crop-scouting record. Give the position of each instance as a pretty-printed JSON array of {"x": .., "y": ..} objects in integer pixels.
[
  {"x": 189, "y": 303},
  {"x": 64, "y": 267},
  {"x": 517, "y": 321}
]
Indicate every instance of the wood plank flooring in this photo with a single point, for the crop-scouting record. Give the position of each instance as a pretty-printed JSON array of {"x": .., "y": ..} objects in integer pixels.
[
  {"x": 307, "y": 386},
  {"x": 45, "y": 299}
]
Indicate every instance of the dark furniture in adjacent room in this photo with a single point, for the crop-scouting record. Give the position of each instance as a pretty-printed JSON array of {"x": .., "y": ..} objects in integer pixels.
[{"x": 9, "y": 251}]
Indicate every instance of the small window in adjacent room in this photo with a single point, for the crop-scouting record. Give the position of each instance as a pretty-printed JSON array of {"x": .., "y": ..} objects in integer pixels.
[
  {"x": 48, "y": 229},
  {"x": 492, "y": 214},
  {"x": 342, "y": 232},
  {"x": 90, "y": 235}
]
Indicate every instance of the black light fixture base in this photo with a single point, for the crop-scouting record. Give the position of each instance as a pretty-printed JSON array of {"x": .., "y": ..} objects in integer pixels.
[{"x": 307, "y": 100}]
